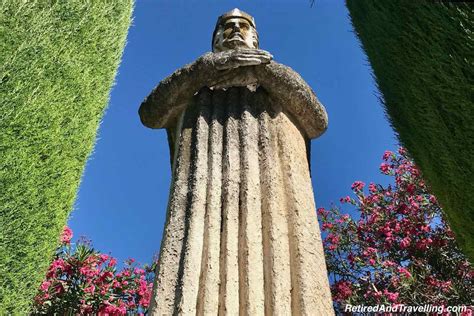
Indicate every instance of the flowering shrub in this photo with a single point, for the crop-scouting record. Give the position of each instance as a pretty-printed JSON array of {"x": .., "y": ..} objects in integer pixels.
[
  {"x": 82, "y": 280},
  {"x": 400, "y": 250}
]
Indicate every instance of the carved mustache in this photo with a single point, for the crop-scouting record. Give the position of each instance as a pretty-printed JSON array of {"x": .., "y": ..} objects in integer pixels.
[{"x": 234, "y": 35}]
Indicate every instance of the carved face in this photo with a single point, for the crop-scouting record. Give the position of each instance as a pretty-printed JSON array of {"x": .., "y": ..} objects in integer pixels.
[{"x": 235, "y": 33}]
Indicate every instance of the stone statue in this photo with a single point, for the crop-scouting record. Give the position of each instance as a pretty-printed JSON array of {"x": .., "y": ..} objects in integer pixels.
[{"x": 241, "y": 234}]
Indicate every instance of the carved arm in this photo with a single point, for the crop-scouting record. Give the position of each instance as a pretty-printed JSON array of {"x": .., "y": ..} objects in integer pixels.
[
  {"x": 296, "y": 97},
  {"x": 232, "y": 68}
]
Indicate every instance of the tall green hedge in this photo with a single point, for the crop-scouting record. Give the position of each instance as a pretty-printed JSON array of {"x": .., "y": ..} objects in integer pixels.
[
  {"x": 58, "y": 60},
  {"x": 421, "y": 54}
]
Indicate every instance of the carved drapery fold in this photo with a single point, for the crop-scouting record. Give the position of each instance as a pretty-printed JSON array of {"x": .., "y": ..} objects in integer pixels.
[{"x": 241, "y": 235}]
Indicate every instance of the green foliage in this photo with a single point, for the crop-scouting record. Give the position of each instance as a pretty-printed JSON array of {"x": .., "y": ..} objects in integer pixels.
[
  {"x": 57, "y": 65},
  {"x": 421, "y": 55}
]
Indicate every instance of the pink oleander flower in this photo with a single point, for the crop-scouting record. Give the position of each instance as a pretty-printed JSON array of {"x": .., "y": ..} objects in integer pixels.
[
  {"x": 59, "y": 289},
  {"x": 425, "y": 228},
  {"x": 405, "y": 242},
  {"x": 103, "y": 258},
  {"x": 411, "y": 188},
  {"x": 88, "y": 272},
  {"x": 66, "y": 235},
  {"x": 388, "y": 263},
  {"x": 402, "y": 151},
  {"x": 322, "y": 211},
  {"x": 404, "y": 272},
  {"x": 138, "y": 271},
  {"x": 345, "y": 199},
  {"x": 342, "y": 219},
  {"x": 386, "y": 230},
  {"x": 397, "y": 227},
  {"x": 392, "y": 297},
  {"x": 357, "y": 185},
  {"x": 387, "y": 154},
  {"x": 445, "y": 286},
  {"x": 334, "y": 239},
  {"x": 57, "y": 264},
  {"x": 331, "y": 247},
  {"x": 385, "y": 168},
  {"x": 351, "y": 258},
  {"x": 90, "y": 289},
  {"x": 467, "y": 312},
  {"x": 423, "y": 244},
  {"x": 369, "y": 251},
  {"x": 112, "y": 262},
  {"x": 143, "y": 287},
  {"x": 415, "y": 206},
  {"x": 342, "y": 289},
  {"x": 45, "y": 286},
  {"x": 326, "y": 226},
  {"x": 372, "y": 188},
  {"x": 374, "y": 294}
]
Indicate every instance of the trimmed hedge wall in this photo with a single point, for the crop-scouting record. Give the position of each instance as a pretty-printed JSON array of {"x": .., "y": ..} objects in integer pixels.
[
  {"x": 57, "y": 65},
  {"x": 421, "y": 54}
]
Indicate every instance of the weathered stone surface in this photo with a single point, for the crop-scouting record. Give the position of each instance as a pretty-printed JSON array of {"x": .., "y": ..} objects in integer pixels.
[{"x": 241, "y": 234}]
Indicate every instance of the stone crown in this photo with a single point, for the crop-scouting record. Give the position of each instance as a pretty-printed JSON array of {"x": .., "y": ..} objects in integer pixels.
[{"x": 236, "y": 13}]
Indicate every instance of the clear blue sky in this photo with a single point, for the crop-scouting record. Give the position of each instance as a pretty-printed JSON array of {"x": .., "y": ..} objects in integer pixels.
[{"x": 123, "y": 196}]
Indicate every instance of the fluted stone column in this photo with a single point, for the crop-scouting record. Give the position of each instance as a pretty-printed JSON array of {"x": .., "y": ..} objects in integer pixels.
[{"x": 241, "y": 235}]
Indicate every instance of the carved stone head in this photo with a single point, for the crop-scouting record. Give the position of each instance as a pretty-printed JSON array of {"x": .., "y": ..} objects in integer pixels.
[{"x": 234, "y": 29}]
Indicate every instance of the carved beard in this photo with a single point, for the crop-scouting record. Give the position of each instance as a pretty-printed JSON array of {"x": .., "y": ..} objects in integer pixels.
[{"x": 219, "y": 44}]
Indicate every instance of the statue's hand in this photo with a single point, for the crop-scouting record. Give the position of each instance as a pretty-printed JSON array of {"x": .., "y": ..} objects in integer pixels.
[
  {"x": 238, "y": 77},
  {"x": 240, "y": 58}
]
